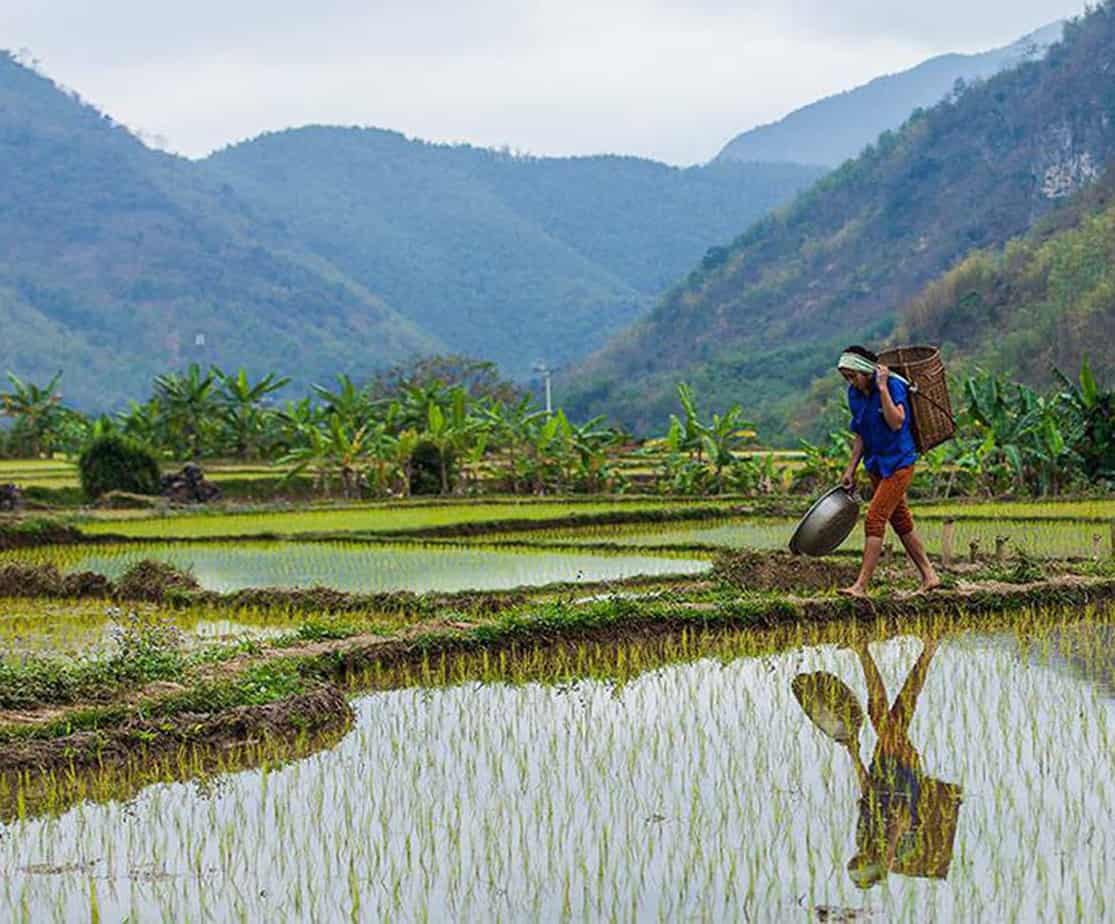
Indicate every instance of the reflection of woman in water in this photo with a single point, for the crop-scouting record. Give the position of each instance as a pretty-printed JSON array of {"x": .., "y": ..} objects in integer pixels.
[{"x": 907, "y": 821}]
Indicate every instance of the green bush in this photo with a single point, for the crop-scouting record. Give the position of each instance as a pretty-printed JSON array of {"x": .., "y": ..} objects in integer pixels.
[{"x": 113, "y": 463}]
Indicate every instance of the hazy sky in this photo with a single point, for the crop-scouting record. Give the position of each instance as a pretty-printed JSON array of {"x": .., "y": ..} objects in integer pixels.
[{"x": 668, "y": 79}]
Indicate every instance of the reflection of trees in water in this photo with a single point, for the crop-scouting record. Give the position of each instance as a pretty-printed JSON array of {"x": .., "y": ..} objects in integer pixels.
[
  {"x": 907, "y": 820},
  {"x": 50, "y": 794}
]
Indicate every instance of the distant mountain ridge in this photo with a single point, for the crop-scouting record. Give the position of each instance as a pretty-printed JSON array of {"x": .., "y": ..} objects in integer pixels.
[
  {"x": 511, "y": 258},
  {"x": 319, "y": 251},
  {"x": 760, "y": 320},
  {"x": 118, "y": 262},
  {"x": 836, "y": 128}
]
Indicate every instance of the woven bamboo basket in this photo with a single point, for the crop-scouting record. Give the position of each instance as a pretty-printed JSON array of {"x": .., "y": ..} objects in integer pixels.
[{"x": 932, "y": 419}]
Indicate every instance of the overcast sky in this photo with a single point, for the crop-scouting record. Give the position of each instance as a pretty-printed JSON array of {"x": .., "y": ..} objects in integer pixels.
[{"x": 668, "y": 79}]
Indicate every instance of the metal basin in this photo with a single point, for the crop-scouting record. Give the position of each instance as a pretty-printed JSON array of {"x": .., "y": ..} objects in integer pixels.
[{"x": 826, "y": 524}]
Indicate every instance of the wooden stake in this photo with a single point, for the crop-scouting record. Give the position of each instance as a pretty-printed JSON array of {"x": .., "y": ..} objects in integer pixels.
[
  {"x": 1097, "y": 545},
  {"x": 946, "y": 541},
  {"x": 973, "y": 551}
]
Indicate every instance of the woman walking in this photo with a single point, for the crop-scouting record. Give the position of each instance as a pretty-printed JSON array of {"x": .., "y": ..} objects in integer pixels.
[{"x": 885, "y": 444}]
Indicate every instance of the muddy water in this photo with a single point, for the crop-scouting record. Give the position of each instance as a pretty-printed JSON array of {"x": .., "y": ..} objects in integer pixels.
[{"x": 692, "y": 791}]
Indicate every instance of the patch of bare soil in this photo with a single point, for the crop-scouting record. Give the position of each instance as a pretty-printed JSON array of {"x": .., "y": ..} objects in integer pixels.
[{"x": 771, "y": 570}]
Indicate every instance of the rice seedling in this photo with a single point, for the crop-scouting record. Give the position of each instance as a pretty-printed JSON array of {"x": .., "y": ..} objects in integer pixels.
[
  {"x": 1039, "y": 538},
  {"x": 380, "y": 518},
  {"x": 1092, "y": 509},
  {"x": 623, "y": 783},
  {"x": 362, "y": 566}
]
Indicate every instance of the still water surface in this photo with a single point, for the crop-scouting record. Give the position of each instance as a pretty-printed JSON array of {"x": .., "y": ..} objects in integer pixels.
[{"x": 698, "y": 791}]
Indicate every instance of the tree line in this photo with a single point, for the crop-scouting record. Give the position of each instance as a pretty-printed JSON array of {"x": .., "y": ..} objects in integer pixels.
[{"x": 446, "y": 424}]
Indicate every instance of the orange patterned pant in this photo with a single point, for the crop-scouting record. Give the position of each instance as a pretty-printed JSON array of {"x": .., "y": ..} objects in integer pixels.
[{"x": 889, "y": 503}]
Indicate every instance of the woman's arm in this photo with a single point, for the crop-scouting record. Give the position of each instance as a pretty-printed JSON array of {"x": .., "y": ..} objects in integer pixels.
[
  {"x": 894, "y": 414},
  {"x": 849, "y": 478}
]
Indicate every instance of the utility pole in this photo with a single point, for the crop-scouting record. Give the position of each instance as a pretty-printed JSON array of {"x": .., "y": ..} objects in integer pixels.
[{"x": 545, "y": 371}]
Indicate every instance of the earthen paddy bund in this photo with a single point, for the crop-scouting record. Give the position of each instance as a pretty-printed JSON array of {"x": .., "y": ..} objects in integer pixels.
[{"x": 570, "y": 711}]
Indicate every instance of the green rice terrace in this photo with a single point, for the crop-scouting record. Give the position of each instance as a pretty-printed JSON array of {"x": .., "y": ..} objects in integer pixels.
[
  {"x": 410, "y": 651},
  {"x": 509, "y": 709}
]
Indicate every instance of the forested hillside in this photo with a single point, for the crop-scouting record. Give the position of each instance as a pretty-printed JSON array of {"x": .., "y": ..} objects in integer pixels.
[
  {"x": 510, "y": 258},
  {"x": 838, "y": 127},
  {"x": 759, "y": 320},
  {"x": 1040, "y": 302},
  {"x": 115, "y": 260}
]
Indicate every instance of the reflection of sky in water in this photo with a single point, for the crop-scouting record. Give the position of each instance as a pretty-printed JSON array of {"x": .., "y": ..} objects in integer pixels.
[
  {"x": 88, "y": 636},
  {"x": 374, "y": 567},
  {"x": 694, "y": 792}
]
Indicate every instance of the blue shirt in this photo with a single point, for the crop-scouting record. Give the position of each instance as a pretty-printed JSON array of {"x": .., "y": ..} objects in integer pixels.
[{"x": 885, "y": 451}]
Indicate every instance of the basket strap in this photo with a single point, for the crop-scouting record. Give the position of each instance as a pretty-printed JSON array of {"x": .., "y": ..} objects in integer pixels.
[{"x": 944, "y": 410}]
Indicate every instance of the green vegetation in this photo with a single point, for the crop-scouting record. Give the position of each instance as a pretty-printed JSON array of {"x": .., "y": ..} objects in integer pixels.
[
  {"x": 513, "y": 258},
  {"x": 757, "y": 324},
  {"x": 1041, "y": 301},
  {"x": 385, "y": 519},
  {"x": 114, "y": 463},
  {"x": 344, "y": 566},
  {"x": 701, "y": 732}
]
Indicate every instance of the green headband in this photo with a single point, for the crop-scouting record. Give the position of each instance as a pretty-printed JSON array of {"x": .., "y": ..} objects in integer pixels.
[{"x": 853, "y": 362}]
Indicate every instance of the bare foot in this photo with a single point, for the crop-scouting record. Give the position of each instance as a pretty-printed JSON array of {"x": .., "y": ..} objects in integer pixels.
[
  {"x": 854, "y": 591},
  {"x": 928, "y": 586}
]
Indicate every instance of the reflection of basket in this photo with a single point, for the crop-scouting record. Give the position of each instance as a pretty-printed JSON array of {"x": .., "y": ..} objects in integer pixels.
[
  {"x": 932, "y": 418},
  {"x": 938, "y": 810}
]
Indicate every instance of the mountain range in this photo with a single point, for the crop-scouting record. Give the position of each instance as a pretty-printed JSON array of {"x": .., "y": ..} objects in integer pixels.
[
  {"x": 321, "y": 250},
  {"x": 515, "y": 259},
  {"x": 759, "y": 321},
  {"x": 326, "y": 250}
]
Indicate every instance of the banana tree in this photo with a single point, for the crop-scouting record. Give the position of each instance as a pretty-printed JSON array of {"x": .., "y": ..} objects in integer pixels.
[
  {"x": 450, "y": 431},
  {"x": 338, "y": 451},
  {"x": 351, "y": 405},
  {"x": 189, "y": 406},
  {"x": 37, "y": 412},
  {"x": 512, "y": 433},
  {"x": 1091, "y": 410},
  {"x": 242, "y": 411}
]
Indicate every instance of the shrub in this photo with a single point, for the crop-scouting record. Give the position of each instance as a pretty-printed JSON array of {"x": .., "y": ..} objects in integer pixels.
[
  {"x": 113, "y": 463},
  {"x": 154, "y": 580}
]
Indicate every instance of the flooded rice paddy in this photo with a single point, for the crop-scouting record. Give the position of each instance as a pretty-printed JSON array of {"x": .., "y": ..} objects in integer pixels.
[
  {"x": 363, "y": 567},
  {"x": 1049, "y": 538},
  {"x": 370, "y": 518},
  {"x": 697, "y": 780},
  {"x": 85, "y": 628}
]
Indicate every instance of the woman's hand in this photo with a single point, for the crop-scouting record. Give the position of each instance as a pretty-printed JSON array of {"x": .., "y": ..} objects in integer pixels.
[
  {"x": 882, "y": 373},
  {"x": 848, "y": 481}
]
